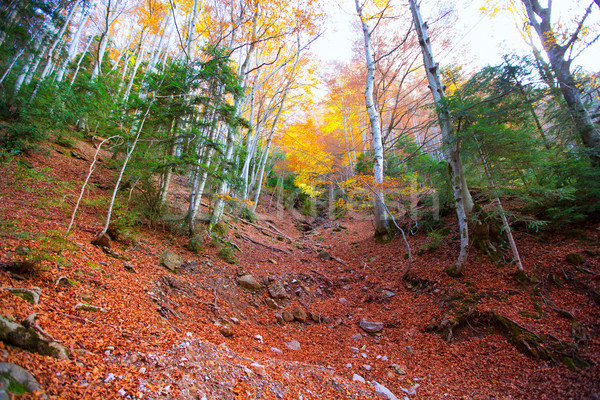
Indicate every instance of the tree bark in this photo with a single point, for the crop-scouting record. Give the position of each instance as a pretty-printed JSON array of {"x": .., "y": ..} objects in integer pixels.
[
  {"x": 540, "y": 19},
  {"x": 382, "y": 228},
  {"x": 462, "y": 196}
]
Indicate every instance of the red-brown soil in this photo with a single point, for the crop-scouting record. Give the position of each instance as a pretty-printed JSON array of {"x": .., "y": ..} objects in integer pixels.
[{"x": 160, "y": 335}]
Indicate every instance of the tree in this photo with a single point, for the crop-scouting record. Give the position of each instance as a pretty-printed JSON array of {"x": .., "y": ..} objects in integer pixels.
[
  {"x": 382, "y": 227},
  {"x": 540, "y": 18},
  {"x": 462, "y": 197}
]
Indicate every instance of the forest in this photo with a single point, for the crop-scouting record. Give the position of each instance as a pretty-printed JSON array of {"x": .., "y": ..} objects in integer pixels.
[{"x": 198, "y": 202}]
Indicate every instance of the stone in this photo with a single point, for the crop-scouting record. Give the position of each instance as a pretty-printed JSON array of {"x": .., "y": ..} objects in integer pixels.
[
  {"x": 279, "y": 317},
  {"x": 226, "y": 330},
  {"x": 349, "y": 366},
  {"x": 170, "y": 261},
  {"x": 371, "y": 327},
  {"x": 383, "y": 391},
  {"x": 299, "y": 314},
  {"x": 575, "y": 259},
  {"x": 366, "y": 367},
  {"x": 272, "y": 304},
  {"x": 398, "y": 370},
  {"x": 102, "y": 240},
  {"x": 22, "y": 376},
  {"x": 259, "y": 338},
  {"x": 343, "y": 300},
  {"x": 287, "y": 316},
  {"x": 410, "y": 391},
  {"x": 277, "y": 291},
  {"x": 293, "y": 345},
  {"x": 323, "y": 255},
  {"x": 276, "y": 350},
  {"x": 128, "y": 267},
  {"x": 357, "y": 378},
  {"x": 248, "y": 282},
  {"x": 78, "y": 156},
  {"x": 258, "y": 369},
  {"x": 354, "y": 350},
  {"x": 388, "y": 293},
  {"x": 358, "y": 336}
]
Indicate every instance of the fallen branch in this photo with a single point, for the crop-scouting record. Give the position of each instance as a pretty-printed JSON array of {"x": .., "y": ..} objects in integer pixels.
[
  {"x": 560, "y": 311},
  {"x": 249, "y": 239}
]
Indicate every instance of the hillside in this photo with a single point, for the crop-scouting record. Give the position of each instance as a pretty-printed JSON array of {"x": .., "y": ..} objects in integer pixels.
[{"x": 196, "y": 333}]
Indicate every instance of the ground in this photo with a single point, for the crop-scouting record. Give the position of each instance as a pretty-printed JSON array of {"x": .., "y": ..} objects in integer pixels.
[{"x": 158, "y": 334}]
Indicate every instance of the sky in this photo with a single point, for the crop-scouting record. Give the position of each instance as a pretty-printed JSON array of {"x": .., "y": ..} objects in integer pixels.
[{"x": 484, "y": 39}]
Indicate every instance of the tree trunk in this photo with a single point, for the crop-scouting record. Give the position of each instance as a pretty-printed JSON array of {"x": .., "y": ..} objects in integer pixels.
[
  {"x": 71, "y": 52},
  {"x": 55, "y": 43},
  {"x": 462, "y": 196},
  {"x": 382, "y": 228},
  {"x": 589, "y": 133},
  {"x": 138, "y": 60}
]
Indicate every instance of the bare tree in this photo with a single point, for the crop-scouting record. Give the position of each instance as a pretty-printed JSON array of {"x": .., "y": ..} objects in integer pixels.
[
  {"x": 540, "y": 18},
  {"x": 462, "y": 196}
]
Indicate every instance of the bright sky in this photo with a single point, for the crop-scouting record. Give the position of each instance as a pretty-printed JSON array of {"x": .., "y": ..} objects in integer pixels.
[{"x": 485, "y": 39}]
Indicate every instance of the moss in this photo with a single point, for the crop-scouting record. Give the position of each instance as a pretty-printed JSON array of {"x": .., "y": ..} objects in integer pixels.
[
  {"x": 14, "y": 386},
  {"x": 575, "y": 259},
  {"x": 453, "y": 272}
]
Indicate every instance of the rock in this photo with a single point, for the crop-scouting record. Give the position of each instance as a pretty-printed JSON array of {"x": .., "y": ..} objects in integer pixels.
[
  {"x": 276, "y": 350},
  {"x": 277, "y": 291},
  {"x": 279, "y": 317},
  {"x": 293, "y": 345},
  {"x": 272, "y": 304},
  {"x": 388, "y": 293},
  {"x": 357, "y": 378},
  {"x": 129, "y": 267},
  {"x": 323, "y": 255},
  {"x": 287, "y": 316},
  {"x": 299, "y": 314},
  {"x": 102, "y": 240},
  {"x": 343, "y": 300},
  {"x": 398, "y": 370},
  {"x": 354, "y": 350},
  {"x": 371, "y": 327},
  {"x": 78, "y": 156},
  {"x": 410, "y": 392},
  {"x": 23, "y": 250},
  {"x": 258, "y": 369},
  {"x": 21, "y": 376},
  {"x": 259, "y": 338},
  {"x": 226, "y": 330},
  {"x": 383, "y": 391},
  {"x": 366, "y": 367},
  {"x": 170, "y": 261},
  {"x": 248, "y": 282},
  {"x": 349, "y": 366},
  {"x": 358, "y": 336},
  {"x": 575, "y": 259},
  {"x": 112, "y": 253}
]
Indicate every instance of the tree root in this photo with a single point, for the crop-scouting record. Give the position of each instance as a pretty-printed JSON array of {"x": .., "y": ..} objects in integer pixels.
[
  {"x": 27, "y": 338},
  {"x": 526, "y": 341}
]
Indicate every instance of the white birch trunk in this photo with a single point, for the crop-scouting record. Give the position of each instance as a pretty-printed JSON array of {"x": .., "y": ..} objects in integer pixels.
[
  {"x": 382, "y": 228},
  {"x": 71, "y": 52},
  {"x": 462, "y": 196}
]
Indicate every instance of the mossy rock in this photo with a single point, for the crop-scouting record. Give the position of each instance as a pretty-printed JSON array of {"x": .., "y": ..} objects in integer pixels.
[{"x": 575, "y": 259}]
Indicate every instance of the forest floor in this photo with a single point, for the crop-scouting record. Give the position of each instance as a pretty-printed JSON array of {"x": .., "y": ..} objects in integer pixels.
[{"x": 159, "y": 334}]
